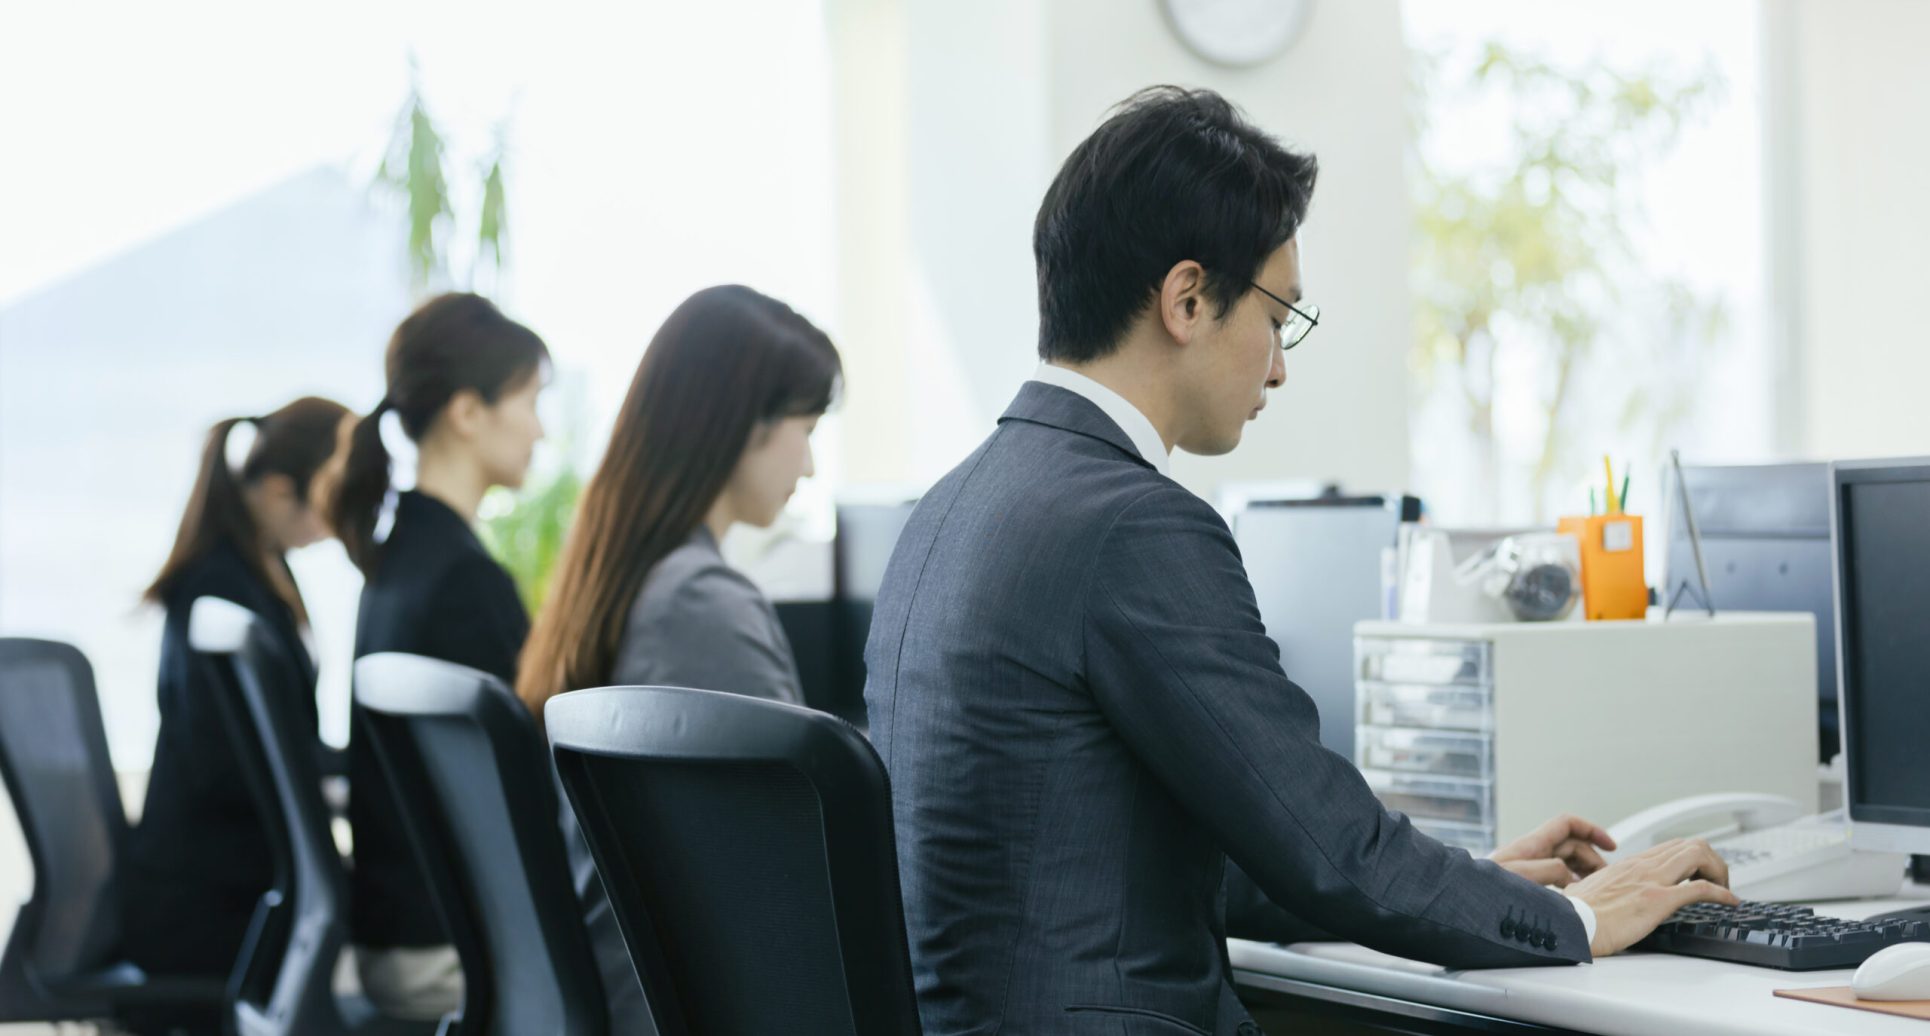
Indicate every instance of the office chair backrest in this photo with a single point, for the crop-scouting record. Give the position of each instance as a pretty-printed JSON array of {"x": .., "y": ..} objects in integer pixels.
[
  {"x": 53, "y": 757},
  {"x": 747, "y": 849},
  {"x": 277, "y": 755},
  {"x": 469, "y": 768}
]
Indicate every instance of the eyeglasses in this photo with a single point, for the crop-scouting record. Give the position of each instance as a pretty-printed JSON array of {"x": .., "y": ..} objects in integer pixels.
[{"x": 1300, "y": 323}]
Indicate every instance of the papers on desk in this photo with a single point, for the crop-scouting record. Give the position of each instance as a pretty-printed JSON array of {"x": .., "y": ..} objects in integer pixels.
[{"x": 1844, "y": 996}]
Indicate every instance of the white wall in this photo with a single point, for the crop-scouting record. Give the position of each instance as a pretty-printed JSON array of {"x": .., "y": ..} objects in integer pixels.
[
  {"x": 953, "y": 119},
  {"x": 1863, "y": 249},
  {"x": 1338, "y": 93},
  {"x": 940, "y": 111}
]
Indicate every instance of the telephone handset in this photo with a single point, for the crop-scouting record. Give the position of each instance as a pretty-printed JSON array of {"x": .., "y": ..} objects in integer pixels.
[
  {"x": 1775, "y": 850},
  {"x": 1712, "y": 816}
]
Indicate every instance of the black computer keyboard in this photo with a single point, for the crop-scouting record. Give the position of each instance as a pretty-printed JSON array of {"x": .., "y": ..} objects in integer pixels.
[{"x": 1777, "y": 935}]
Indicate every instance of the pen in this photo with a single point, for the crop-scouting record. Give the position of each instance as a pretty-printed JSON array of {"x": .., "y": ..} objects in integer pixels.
[
  {"x": 1609, "y": 470},
  {"x": 1621, "y": 503}
]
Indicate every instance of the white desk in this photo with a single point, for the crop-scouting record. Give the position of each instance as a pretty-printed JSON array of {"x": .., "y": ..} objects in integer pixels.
[{"x": 1632, "y": 994}]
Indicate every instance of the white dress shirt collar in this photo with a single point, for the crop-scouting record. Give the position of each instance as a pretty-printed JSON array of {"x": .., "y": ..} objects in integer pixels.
[{"x": 1137, "y": 426}]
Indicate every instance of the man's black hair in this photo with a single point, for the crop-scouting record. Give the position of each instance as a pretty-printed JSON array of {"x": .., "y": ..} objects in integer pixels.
[{"x": 1172, "y": 174}]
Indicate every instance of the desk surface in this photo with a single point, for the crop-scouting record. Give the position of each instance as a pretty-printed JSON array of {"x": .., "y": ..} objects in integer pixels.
[{"x": 1631, "y": 994}]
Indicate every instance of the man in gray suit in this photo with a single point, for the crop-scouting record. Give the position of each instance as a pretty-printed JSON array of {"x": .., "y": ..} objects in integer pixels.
[{"x": 1081, "y": 713}]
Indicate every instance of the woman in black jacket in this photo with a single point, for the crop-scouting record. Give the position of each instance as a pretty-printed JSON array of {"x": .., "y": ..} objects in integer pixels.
[
  {"x": 199, "y": 860},
  {"x": 462, "y": 384}
]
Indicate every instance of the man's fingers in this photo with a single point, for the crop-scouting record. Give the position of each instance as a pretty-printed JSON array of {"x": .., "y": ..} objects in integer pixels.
[
  {"x": 1568, "y": 826},
  {"x": 1711, "y": 867},
  {"x": 1543, "y": 872},
  {"x": 1550, "y": 833},
  {"x": 1700, "y": 892},
  {"x": 1590, "y": 832},
  {"x": 1665, "y": 848},
  {"x": 1582, "y": 858},
  {"x": 1694, "y": 859}
]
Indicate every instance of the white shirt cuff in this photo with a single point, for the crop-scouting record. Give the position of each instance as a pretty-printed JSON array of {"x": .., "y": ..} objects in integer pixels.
[{"x": 1587, "y": 914}]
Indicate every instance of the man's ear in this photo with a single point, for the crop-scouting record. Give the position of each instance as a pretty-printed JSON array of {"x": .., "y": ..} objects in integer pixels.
[{"x": 1183, "y": 306}]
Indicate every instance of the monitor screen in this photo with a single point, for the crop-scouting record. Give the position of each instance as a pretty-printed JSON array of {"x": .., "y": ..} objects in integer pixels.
[
  {"x": 1766, "y": 548},
  {"x": 1883, "y": 534},
  {"x": 867, "y": 535},
  {"x": 1315, "y": 565}
]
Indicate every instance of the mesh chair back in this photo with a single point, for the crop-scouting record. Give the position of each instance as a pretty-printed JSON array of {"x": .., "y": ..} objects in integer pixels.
[
  {"x": 746, "y": 846},
  {"x": 291, "y": 992},
  {"x": 468, "y": 767},
  {"x": 53, "y": 757}
]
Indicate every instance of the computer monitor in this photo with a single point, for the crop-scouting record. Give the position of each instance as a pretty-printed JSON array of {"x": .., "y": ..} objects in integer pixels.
[
  {"x": 1766, "y": 546},
  {"x": 1878, "y": 512},
  {"x": 867, "y": 534},
  {"x": 1315, "y": 566}
]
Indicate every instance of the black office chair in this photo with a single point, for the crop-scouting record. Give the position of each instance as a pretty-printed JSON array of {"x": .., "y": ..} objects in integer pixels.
[
  {"x": 747, "y": 849},
  {"x": 62, "y": 957},
  {"x": 289, "y": 993},
  {"x": 475, "y": 786}
]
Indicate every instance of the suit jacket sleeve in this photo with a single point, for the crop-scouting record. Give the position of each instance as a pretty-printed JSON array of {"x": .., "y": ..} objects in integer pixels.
[
  {"x": 1251, "y": 915},
  {"x": 1179, "y": 662}
]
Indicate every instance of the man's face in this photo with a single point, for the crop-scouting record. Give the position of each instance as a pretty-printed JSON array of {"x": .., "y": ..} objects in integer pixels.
[{"x": 1232, "y": 362}]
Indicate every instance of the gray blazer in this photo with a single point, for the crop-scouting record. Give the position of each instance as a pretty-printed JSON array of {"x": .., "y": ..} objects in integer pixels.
[
  {"x": 699, "y": 623},
  {"x": 1081, "y": 713}
]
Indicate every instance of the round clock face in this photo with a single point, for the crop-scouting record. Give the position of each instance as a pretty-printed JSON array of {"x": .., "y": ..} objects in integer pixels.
[{"x": 1237, "y": 32}]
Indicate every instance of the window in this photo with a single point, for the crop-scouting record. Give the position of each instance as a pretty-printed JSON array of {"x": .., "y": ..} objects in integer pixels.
[
  {"x": 206, "y": 245},
  {"x": 1589, "y": 265}
]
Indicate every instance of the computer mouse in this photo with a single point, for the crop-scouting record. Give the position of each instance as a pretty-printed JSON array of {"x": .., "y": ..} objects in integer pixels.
[{"x": 1895, "y": 973}]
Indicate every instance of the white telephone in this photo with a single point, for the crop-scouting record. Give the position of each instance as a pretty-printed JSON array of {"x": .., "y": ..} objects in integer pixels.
[
  {"x": 1775, "y": 853},
  {"x": 1703, "y": 816}
]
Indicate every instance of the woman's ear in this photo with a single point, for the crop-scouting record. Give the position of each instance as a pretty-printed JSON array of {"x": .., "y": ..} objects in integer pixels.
[
  {"x": 463, "y": 414},
  {"x": 275, "y": 501},
  {"x": 279, "y": 487}
]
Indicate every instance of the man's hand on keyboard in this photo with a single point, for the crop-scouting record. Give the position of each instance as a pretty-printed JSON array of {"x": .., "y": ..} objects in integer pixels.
[
  {"x": 1556, "y": 853},
  {"x": 1631, "y": 896}
]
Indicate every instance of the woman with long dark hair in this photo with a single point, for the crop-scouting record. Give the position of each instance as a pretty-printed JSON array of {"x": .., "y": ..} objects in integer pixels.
[
  {"x": 199, "y": 860},
  {"x": 715, "y": 431},
  {"x": 462, "y": 385}
]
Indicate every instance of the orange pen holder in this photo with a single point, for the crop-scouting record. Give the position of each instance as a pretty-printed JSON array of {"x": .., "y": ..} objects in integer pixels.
[{"x": 1614, "y": 585}]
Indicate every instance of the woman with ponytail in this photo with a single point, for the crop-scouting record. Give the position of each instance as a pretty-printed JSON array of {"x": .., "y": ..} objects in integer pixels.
[
  {"x": 462, "y": 385},
  {"x": 199, "y": 860},
  {"x": 715, "y": 431}
]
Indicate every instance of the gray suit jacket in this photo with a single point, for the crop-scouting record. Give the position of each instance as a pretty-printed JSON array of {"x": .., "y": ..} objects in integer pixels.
[
  {"x": 1081, "y": 712},
  {"x": 700, "y": 623}
]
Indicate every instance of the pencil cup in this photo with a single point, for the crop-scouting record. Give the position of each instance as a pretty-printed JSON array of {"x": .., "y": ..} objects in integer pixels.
[{"x": 1613, "y": 583}]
